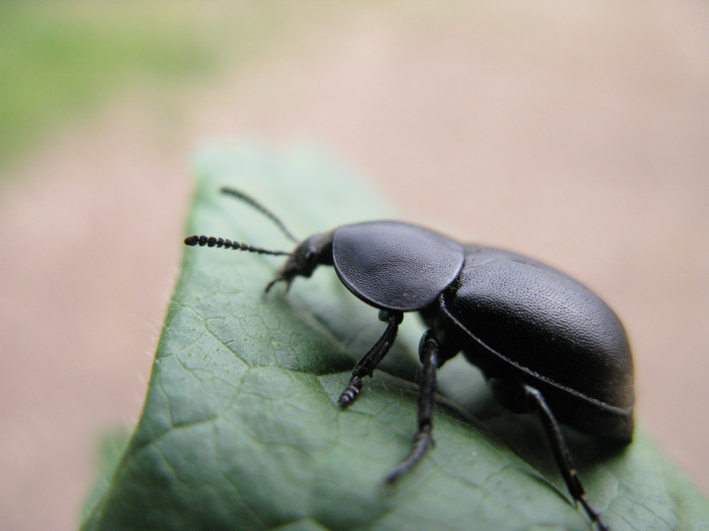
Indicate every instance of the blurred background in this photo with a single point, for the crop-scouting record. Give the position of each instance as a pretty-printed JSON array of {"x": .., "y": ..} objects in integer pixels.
[{"x": 576, "y": 132}]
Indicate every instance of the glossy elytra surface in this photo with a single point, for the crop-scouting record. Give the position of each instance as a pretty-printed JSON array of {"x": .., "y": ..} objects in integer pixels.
[{"x": 544, "y": 327}]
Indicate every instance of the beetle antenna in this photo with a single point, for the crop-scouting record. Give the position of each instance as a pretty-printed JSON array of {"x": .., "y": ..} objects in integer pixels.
[
  {"x": 211, "y": 241},
  {"x": 258, "y": 206}
]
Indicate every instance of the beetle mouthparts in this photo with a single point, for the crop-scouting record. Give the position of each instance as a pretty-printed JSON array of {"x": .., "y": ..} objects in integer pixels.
[{"x": 279, "y": 278}]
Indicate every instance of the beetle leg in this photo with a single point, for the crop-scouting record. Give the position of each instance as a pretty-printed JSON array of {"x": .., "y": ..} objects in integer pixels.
[
  {"x": 423, "y": 440},
  {"x": 371, "y": 359},
  {"x": 563, "y": 455}
]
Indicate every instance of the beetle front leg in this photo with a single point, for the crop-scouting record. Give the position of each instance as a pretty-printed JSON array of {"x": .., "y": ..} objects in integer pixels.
[
  {"x": 371, "y": 359},
  {"x": 423, "y": 440}
]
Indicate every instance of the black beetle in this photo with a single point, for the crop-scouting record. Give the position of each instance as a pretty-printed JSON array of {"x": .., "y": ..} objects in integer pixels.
[{"x": 544, "y": 341}]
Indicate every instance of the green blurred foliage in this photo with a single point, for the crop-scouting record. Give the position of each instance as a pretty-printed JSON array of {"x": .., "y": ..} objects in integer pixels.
[{"x": 60, "y": 59}]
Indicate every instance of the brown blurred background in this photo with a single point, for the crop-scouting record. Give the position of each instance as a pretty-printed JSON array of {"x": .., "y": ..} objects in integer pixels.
[{"x": 575, "y": 132}]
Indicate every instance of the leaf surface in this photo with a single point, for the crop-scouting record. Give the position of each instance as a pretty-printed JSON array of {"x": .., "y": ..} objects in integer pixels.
[{"x": 241, "y": 429}]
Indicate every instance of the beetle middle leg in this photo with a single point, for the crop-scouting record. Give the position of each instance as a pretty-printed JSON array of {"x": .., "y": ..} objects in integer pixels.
[
  {"x": 371, "y": 359},
  {"x": 423, "y": 440}
]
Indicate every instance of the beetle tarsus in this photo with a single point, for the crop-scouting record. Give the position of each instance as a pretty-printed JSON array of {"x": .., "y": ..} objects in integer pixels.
[
  {"x": 423, "y": 442},
  {"x": 351, "y": 392},
  {"x": 371, "y": 359},
  {"x": 593, "y": 514}
]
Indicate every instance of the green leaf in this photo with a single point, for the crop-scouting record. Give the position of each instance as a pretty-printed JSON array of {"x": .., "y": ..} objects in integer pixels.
[{"x": 241, "y": 429}]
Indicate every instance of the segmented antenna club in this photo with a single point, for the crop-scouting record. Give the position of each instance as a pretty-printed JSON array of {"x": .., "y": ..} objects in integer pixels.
[{"x": 211, "y": 241}]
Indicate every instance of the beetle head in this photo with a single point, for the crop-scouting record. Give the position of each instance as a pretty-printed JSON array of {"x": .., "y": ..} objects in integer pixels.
[{"x": 315, "y": 251}]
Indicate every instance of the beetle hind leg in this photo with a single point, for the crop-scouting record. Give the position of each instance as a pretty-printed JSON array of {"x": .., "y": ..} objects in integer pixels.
[
  {"x": 562, "y": 454},
  {"x": 371, "y": 359},
  {"x": 423, "y": 440}
]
